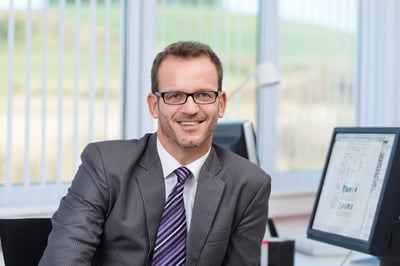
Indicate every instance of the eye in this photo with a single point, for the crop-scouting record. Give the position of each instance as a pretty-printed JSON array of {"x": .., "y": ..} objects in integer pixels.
[
  {"x": 204, "y": 95},
  {"x": 174, "y": 95}
]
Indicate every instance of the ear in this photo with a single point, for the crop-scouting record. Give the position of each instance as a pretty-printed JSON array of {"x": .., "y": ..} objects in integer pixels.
[
  {"x": 222, "y": 104},
  {"x": 152, "y": 103}
]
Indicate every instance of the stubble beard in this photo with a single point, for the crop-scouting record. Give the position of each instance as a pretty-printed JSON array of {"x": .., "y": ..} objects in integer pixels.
[{"x": 182, "y": 142}]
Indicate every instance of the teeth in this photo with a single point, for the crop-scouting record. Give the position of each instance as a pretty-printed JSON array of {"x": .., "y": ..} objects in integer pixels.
[{"x": 188, "y": 123}]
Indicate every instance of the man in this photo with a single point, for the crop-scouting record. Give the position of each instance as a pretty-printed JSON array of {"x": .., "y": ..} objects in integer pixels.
[{"x": 113, "y": 213}]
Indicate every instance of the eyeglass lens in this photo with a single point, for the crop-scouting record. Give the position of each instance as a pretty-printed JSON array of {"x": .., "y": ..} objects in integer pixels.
[{"x": 201, "y": 97}]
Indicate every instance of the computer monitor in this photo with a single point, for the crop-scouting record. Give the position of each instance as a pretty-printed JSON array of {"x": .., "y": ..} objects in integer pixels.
[
  {"x": 357, "y": 205},
  {"x": 237, "y": 136}
]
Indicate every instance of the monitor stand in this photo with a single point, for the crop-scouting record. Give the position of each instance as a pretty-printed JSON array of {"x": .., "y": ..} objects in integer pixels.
[{"x": 392, "y": 254}]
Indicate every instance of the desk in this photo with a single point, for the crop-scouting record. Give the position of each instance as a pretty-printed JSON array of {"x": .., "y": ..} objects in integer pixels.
[
  {"x": 305, "y": 260},
  {"x": 295, "y": 227}
]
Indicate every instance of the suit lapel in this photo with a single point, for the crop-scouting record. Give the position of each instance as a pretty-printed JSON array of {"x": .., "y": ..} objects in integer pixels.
[
  {"x": 208, "y": 196},
  {"x": 151, "y": 185}
]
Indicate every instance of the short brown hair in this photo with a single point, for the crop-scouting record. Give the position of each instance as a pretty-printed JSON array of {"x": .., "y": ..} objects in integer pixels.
[{"x": 185, "y": 49}]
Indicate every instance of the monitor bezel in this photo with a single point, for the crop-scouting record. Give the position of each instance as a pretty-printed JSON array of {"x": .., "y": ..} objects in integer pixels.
[
  {"x": 247, "y": 135},
  {"x": 388, "y": 208}
]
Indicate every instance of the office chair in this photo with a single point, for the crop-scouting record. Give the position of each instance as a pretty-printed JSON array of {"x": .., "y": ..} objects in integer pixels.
[{"x": 24, "y": 240}]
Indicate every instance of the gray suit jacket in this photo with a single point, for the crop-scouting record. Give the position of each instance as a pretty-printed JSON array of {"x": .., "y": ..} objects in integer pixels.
[{"x": 112, "y": 210}]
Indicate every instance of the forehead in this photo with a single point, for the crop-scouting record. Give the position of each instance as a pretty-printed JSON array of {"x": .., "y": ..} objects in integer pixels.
[{"x": 194, "y": 71}]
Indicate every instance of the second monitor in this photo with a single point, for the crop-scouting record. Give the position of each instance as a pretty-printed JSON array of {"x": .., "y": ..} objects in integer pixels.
[
  {"x": 358, "y": 202},
  {"x": 237, "y": 136}
]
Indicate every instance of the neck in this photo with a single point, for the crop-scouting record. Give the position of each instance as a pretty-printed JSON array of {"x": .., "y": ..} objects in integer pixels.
[
  {"x": 183, "y": 155},
  {"x": 188, "y": 156}
]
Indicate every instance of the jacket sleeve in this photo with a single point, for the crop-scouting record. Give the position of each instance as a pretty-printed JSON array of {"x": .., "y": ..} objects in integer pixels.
[
  {"x": 245, "y": 241},
  {"x": 78, "y": 222}
]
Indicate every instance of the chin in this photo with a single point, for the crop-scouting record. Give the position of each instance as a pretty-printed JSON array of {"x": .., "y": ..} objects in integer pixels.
[{"x": 190, "y": 143}]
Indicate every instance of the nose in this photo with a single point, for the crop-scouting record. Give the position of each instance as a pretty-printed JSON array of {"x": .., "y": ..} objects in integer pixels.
[{"x": 190, "y": 106}]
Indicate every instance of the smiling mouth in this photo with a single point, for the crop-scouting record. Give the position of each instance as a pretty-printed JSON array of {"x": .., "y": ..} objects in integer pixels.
[{"x": 191, "y": 123}]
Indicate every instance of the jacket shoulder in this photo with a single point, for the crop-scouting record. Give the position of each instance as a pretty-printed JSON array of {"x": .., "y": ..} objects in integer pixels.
[{"x": 238, "y": 165}]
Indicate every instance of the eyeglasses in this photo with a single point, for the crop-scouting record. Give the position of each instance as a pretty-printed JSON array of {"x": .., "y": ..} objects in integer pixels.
[{"x": 179, "y": 97}]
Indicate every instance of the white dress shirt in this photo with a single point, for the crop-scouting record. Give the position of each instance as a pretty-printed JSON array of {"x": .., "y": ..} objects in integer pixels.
[{"x": 169, "y": 164}]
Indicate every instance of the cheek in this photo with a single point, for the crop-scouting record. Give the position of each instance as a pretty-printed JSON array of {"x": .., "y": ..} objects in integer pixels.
[{"x": 164, "y": 112}]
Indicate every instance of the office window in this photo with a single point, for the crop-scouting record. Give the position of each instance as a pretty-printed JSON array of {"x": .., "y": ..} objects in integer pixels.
[
  {"x": 317, "y": 60},
  {"x": 62, "y": 84},
  {"x": 60, "y": 89}
]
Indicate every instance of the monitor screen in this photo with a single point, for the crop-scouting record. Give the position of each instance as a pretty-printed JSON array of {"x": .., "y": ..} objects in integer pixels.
[
  {"x": 238, "y": 137},
  {"x": 357, "y": 203}
]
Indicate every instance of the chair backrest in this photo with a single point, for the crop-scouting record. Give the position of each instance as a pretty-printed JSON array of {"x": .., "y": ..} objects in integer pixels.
[{"x": 23, "y": 240}]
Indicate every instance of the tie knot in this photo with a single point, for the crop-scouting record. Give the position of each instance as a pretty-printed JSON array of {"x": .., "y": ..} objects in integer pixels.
[{"x": 182, "y": 173}]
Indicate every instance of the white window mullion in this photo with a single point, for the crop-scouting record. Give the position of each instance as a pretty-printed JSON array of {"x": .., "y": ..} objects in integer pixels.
[
  {"x": 378, "y": 47},
  {"x": 122, "y": 65},
  {"x": 388, "y": 27},
  {"x": 366, "y": 107},
  {"x": 92, "y": 68},
  {"x": 138, "y": 51},
  {"x": 107, "y": 40},
  {"x": 43, "y": 156},
  {"x": 61, "y": 44},
  {"x": 267, "y": 51},
  {"x": 396, "y": 69},
  {"x": 10, "y": 101},
  {"x": 28, "y": 92},
  {"x": 77, "y": 34}
]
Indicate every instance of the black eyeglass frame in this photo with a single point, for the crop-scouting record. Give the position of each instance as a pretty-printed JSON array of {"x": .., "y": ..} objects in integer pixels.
[{"x": 162, "y": 95}]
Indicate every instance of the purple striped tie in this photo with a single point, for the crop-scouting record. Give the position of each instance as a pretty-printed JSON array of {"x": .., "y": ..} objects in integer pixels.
[{"x": 170, "y": 246}]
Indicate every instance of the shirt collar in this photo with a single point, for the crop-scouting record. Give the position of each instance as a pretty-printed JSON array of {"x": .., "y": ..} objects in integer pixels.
[{"x": 169, "y": 163}]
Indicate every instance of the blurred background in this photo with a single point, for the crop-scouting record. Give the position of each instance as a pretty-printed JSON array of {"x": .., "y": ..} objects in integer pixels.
[{"x": 74, "y": 72}]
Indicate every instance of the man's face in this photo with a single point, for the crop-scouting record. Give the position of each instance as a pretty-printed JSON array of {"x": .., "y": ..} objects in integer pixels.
[{"x": 188, "y": 126}]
